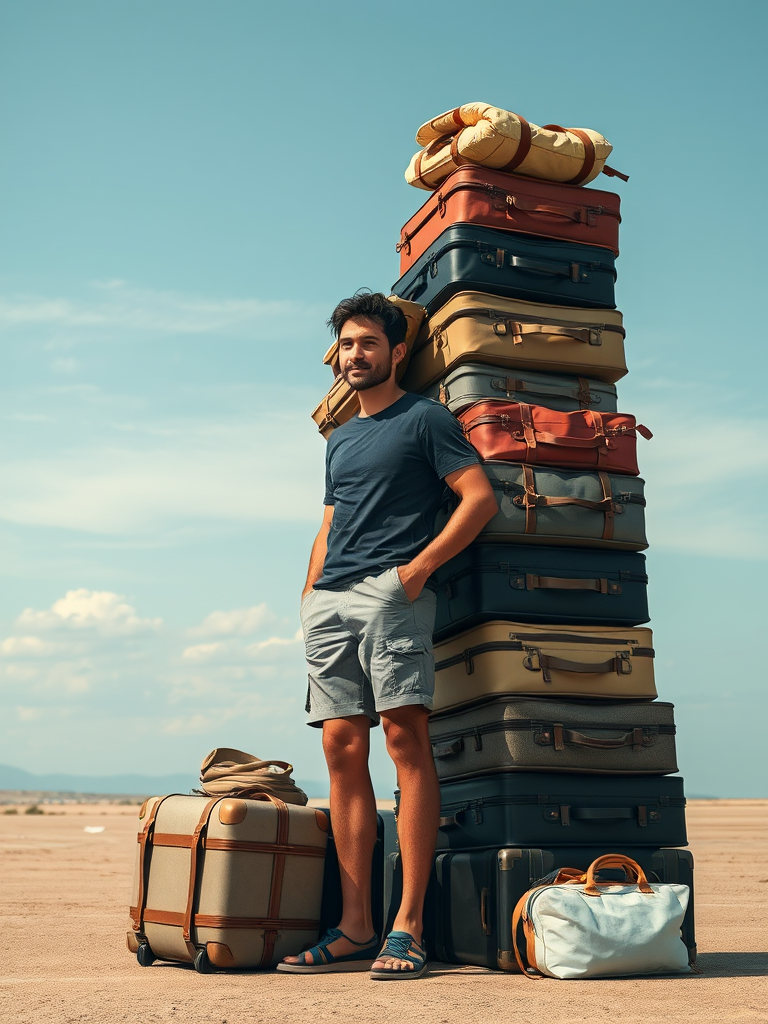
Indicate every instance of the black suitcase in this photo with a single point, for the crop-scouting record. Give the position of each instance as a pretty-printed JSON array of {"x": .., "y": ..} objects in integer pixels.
[
  {"x": 537, "y": 583},
  {"x": 467, "y": 257},
  {"x": 472, "y": 895},
  {"x": 386, "y": 844},
  {"x": 561, "y": 809}
]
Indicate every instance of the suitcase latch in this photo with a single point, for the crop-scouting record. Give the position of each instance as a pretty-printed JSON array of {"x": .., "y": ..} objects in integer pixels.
[
  {"x": 596, "y": 336},
  {"x": 623, "y": 663}
]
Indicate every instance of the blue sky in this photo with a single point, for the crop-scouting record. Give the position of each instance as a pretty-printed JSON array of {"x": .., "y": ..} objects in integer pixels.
[{"x": 188, "y": 187}]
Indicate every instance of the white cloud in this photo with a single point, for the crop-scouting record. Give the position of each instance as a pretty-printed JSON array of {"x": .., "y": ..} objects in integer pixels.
[
  {"x": 120, "y": 308},
  {"x": 240, "y": 621},
  {"x": 222, "y": 470},
  {"x": 98, "y": 610},
  {"x": 201, "y": 652},
  {"x": 26, "y": 646}
]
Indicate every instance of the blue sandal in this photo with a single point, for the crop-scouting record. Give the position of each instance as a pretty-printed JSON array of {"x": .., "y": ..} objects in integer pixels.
[
  {"x": 401, "y": 946},
  {"x": 324, "y": 962}
]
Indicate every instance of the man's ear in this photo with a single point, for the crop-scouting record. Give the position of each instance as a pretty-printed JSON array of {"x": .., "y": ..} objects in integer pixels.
[{"x": 398, "y": 353}]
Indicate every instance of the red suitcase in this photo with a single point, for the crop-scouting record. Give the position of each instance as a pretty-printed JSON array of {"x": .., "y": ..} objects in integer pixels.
[
  {"x": 493, "y": 199},
  {"x": 582, "y": 439}
]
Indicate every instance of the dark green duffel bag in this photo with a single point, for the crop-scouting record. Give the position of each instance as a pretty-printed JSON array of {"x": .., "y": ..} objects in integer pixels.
[{"x": 580, "y": 508}]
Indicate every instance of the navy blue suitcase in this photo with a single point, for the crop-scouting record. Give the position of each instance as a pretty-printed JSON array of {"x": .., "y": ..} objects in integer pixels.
[
  {"x": 386, "y": 844},
  {"x": 532, "y": 583},
  {"x": 466, "y": 257},
  {"x": 472, "y": 895},
  {"x": 561, "y": 809}
]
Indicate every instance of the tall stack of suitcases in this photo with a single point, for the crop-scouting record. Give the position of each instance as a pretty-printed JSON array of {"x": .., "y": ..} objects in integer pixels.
[{"x": 549, "y": 744}]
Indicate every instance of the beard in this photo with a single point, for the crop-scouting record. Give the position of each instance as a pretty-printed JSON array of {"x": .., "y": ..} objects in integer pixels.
[{"x": 371, "y": 376}]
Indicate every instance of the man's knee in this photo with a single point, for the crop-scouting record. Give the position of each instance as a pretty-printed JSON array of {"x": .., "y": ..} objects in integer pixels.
[
  {"x": 346, "y": 743},
  {"x": 407, "y": 735}
]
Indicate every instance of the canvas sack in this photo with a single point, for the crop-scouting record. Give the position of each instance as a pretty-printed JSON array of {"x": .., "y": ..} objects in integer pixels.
[
  {"x": 230, "y": 772},
  {"x": 580, "y": 927},
  {"x": 478, "y": 133}
]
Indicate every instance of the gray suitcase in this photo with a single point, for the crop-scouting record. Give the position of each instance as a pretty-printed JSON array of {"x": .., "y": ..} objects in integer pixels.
[
  {"x": 476, "y": 382},
  {"x": 542, "y": 734},
  {"x": 580, "y": 508}
]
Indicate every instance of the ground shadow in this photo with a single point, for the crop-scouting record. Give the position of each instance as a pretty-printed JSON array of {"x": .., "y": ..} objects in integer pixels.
[{"x": 733, "y": 965}]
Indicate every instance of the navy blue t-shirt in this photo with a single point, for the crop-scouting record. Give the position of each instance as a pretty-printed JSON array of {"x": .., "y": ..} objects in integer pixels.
[{"x": 384, "y": 476}]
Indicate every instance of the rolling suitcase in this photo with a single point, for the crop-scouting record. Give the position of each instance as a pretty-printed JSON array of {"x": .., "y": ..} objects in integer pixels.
[
  {"x": 533, "y": 583},
  {"x": 561, "y": 809},
  {"x": 476, "y": 328},
  {"x": 493, "y": 199},
  {"x": 474, "y": 382},
  {"x": 466, "y": 257},
  {"x": 473, "y": 893},
  {"x": 226, "y": 882},
  {"x": 519, "y": 432},
  {"x": 519, "y": 659},
  {"x": 542, "y": 505},
  {"x": 539, "y": 734}
]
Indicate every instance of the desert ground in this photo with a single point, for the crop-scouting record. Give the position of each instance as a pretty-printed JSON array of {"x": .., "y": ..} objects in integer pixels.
[{"x": 65, "y": 892}]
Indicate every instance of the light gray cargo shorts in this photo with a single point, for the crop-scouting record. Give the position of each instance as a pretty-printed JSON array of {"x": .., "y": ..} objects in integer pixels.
[{"x": 369, "y": 648}]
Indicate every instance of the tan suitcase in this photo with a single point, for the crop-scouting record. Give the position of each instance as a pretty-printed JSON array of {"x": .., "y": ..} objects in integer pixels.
[
  {"x": 498, "y": 658},
  {"x": 226, "y": 882},
  {"x": 341, "y": 403},
  {"x": 480, "y": 328}
]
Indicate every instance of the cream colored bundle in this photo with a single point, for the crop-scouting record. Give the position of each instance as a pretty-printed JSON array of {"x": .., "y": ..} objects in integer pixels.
[
  {"x": 477, "y": 133},
  {"x": 230, "y": 772}
]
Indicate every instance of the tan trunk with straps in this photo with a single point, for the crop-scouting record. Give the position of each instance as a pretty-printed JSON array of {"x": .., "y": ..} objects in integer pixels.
[
  {"x": 475, "y": 327},
  {"x": 497, "y": 658},
  {"x": 238, "y": 882}
]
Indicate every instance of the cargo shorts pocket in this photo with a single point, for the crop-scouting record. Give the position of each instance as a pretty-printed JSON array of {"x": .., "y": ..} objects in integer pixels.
[{"x": 410, "y": 664}]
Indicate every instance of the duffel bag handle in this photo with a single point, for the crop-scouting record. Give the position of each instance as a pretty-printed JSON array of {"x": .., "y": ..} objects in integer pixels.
[{"x": 631, "y": 868}]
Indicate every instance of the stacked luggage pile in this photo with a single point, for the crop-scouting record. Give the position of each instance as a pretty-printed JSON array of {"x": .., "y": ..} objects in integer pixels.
[{"x": 550, "y": 747}]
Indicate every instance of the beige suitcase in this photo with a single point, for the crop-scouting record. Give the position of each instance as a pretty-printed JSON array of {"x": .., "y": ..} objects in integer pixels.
[
  {"x": 500, "y": 658},
  {"x": 480, "y": 328},
  {"x": 341, "y": 403},
  {"x": 226, "y": 882},
  {"x": 478, "y": 133}
]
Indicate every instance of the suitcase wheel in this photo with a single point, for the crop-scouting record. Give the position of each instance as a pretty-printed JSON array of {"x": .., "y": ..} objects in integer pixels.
[
  {"x": 203, "y": 964},
  {"x": 144, "y": 954}
]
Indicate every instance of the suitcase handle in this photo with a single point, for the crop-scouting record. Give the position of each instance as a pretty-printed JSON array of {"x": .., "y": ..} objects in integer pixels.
[
  {"x": 530, "y": 581},
  {"x": 558, "y": 736},
  {"x": 587, "y": 335},
  {"x": 573, "y": 213},
  {"x": 448, "y": 750},
  {"x": 535, "y": 661},
  {"x": 499, "y": 259}
]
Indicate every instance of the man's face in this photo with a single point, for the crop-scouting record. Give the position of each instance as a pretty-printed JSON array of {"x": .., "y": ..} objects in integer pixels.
[{"x": 365, "y": 358}]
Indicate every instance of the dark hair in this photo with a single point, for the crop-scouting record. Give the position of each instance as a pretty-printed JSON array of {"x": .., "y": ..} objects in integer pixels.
[{"x": 368, "y": 305}]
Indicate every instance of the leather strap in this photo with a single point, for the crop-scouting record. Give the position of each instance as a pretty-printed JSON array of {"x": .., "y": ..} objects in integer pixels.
[
  {"x": 276, "y": 884},
  {"x": 616, "y": 860},
  {"x": 417, "y": 168},
  {"x": 611, "y": 172},
  {"x": 523, "y": 146},
  {"x": 528, "y": 965},
  {"x": 534, "y": 582},
  {"x": 176, "y": 919},
  {"x": 236, "y": 845},
  {"x": 561, "y": 737},
  {"x": 589, "y": 157},
  {"x": 144, "y": 840},
  {"x": 547, "y": 662},
  {"x": 578, "y": 214},
  {"x": 530, "y": 499},
  {"x": 194, "y": 860}
]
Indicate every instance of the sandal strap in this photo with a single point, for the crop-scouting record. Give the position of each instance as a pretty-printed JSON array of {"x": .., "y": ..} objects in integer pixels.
[
  {"x": 321, "y": 953},
  {"x": 398, "y": 946}
]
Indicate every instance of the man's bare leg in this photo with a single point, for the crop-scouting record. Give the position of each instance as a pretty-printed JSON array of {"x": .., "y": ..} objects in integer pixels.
[
  {"x": 346, "y": 744},
  {"x": 410, "y": 748}
]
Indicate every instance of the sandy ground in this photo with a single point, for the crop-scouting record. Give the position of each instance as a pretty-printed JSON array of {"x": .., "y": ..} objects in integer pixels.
[{"x": 64, "y": 896}]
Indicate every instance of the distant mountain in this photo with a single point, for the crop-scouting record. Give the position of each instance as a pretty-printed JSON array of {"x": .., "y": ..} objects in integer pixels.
[{"x": 134, "y": 785}]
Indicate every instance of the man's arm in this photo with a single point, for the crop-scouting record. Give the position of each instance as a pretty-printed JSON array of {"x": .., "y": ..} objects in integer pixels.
[
  {"x": 319, "y": 551},
  {"x": 477, "y": 506}
]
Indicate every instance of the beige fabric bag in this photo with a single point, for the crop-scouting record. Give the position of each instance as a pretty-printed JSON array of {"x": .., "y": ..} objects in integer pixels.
[
  {"x": 477, "y": 133},
  {"x": 229, "y": 772},
  {"x": 341, "y": 403}
]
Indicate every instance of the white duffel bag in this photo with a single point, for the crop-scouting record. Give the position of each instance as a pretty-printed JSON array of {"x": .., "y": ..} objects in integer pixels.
[
  {"x": 577, "y": 927},
  {"x": 477, "y": 133}
]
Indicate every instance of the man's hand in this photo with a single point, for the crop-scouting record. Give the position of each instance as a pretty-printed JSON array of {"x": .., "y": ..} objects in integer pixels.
[{"x": 413, "y": 580}]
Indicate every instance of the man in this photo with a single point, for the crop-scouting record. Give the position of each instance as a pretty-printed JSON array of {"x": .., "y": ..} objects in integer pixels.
[{"x": 368, "y": 613}]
